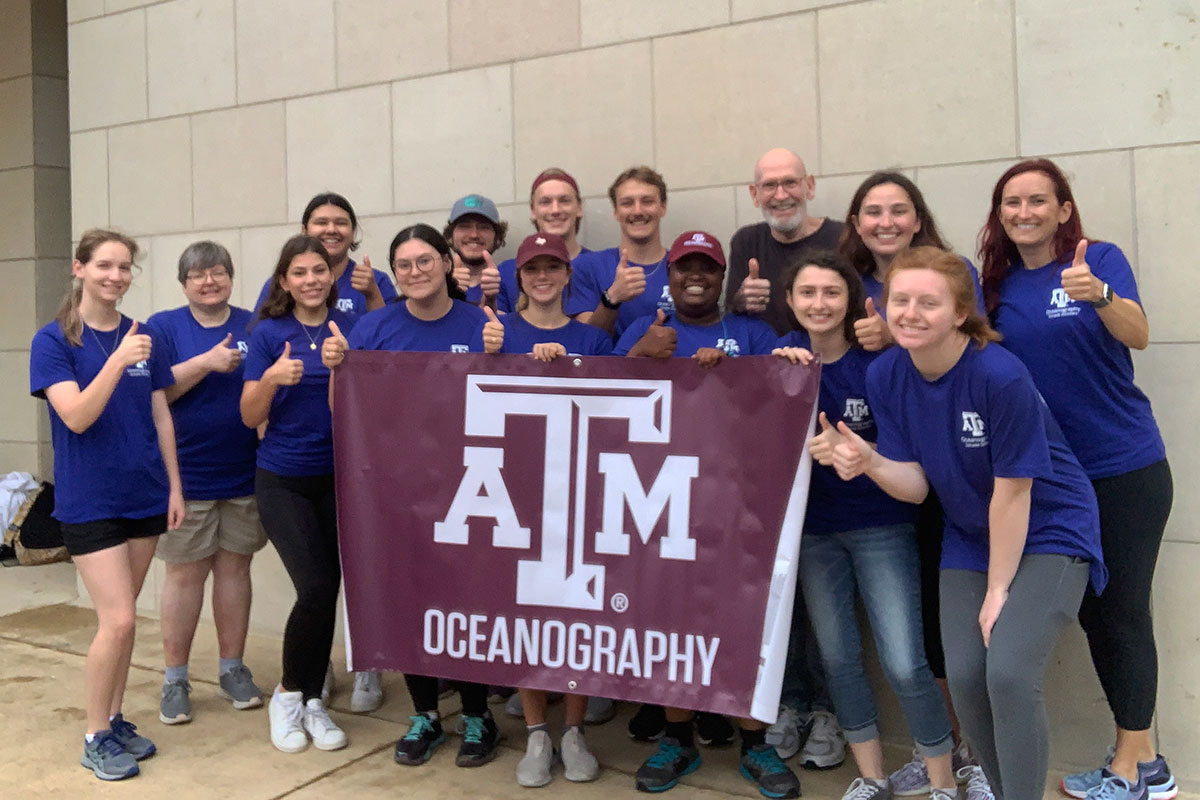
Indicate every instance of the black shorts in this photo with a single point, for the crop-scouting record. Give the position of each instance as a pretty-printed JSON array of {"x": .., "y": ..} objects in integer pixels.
[{"x": 82, "y": 538}]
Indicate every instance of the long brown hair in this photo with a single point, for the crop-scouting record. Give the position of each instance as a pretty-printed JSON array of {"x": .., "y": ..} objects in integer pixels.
[
  {"x": 962, "y": 287},
  {"x": 68, "y": 317},
  {"x": 852, "y": 247},
  {"x": 279, "y": 303}
]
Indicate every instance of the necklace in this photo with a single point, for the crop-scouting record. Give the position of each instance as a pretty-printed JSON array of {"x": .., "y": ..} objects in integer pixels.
[
  {"x": 100, "y": 344},
  {"x": 312, "y": 343}
]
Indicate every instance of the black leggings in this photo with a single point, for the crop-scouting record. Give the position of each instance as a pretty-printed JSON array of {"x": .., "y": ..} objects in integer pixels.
[
  {"x": 930, "y": 528},
  {"x": 300, "y": 517},
  {"x": 424, "y": 692},
  {"x": 1133, "y": 514}
]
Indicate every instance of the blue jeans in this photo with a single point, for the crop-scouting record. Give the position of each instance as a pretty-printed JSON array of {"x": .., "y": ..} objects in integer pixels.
[{"x": 882, "y": 565}]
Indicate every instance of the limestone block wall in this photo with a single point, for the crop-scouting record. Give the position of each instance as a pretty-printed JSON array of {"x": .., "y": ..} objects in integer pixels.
[{"x": 219, "y": 118}]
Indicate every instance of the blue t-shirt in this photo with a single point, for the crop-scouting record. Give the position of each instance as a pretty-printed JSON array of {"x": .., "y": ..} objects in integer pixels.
[
  {"x": 393, "y": 327},
  {"x": 216, "y": 451},
  {"x": 736, "y": 334},
  {"x": 595, "y": 272},
  {"x": 506, "y": 301},
  {"x": 875, "y": 290},
  {"x": 299, "y": 438},
  {"x": 835, "y": 505},
  {"x": 349, "y": 300},
  {"x": 114, "y": 468},
  {"x": 1084, "y": 373},
  {"x": 520, "y": 336},
  {"x": 983, "y": 420}
]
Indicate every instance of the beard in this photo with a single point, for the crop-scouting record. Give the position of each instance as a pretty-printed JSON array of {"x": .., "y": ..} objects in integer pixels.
[{"x": 786, "y": 225}]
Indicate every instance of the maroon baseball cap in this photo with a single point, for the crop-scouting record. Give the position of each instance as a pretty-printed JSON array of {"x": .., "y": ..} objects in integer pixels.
[
  {"x": 542, "y": 244},
  {"x": 700, "y": 242}
]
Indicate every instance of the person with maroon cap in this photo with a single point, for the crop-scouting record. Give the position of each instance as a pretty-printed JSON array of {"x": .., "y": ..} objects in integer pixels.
[{"x": 696, "y": 328}]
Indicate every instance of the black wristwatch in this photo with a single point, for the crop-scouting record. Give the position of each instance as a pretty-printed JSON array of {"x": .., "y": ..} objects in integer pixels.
[
  {"x": 1106, "y": 296},
  {"x": 607, "y": 301}
]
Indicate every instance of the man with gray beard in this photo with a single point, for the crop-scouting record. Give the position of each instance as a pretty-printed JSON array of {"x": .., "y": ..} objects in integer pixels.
[{"x": 759, "y": 253}]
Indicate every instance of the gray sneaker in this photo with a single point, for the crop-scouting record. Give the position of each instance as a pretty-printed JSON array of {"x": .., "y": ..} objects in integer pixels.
[
  {"x": 599, "y": 711},
  {"x": 533, "y": 769},
  {"x": 175, "y": 707},
  {"x": 126, "y": 733},
  {"x": 238, "y": 685},
  {"x": 578, "y": 762},
  {"x": 863, "y": 789},
  {"x": 107, "y": 759}
]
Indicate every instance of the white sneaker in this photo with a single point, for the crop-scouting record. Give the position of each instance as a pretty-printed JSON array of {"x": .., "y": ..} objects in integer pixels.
[
  {"x": 534, "y": 768},
  {"x": 784, "y": 735},
  {"x": 286, "y": 712},
  {"x": 368, "y": 693},
  {"x": 578, "y": 762},
  {"x": 327, "y": 686},
  {"x": 599, "y": 711},
  {"x": 978, "y": 787},
  {"x": 825, "y": 747},
  {"x": 325, "y": 735}
]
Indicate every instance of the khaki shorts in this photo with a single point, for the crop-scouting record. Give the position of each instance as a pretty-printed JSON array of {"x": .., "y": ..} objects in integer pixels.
[{"x": 212, "y": 525}]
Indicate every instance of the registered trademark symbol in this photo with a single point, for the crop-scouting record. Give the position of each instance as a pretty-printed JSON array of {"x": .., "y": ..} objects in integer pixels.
[{"x": 619, "y": 602}]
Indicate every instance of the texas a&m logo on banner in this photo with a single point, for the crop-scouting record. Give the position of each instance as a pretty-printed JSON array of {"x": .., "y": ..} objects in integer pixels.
[{"x": 621, "y": 527}]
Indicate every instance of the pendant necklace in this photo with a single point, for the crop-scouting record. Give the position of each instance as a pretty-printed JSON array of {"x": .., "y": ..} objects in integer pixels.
[
  {"x": 312, "y": 343},
  {"x": 100, "y": 344}
]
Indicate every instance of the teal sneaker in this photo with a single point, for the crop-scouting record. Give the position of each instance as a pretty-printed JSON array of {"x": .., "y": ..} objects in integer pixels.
[
  {"x": 762, "y": 766},
  {"x": 669, "y": 763}
]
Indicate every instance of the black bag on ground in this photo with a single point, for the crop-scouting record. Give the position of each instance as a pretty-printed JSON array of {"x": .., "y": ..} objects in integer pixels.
[{"x": 34, "y": 534}]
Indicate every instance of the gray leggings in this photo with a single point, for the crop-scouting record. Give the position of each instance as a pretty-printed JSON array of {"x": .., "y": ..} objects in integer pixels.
[{"x": 997, "y": 690}]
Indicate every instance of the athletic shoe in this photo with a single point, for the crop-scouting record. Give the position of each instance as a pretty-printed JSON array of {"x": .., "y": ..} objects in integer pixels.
[
  {"x": 238, "y": 685},
  {"x": 1114, "y": 787},
  {"x": 514, "y": 707},
  {"x": 175, "y": 707},
  {"x": 713, "y": 730},
  {"x": 784, "y": 735},
  {"x": 480, "y": 738},
  {"x": 1160, "y": 784},
  {"x": 669, "y": 763},
  {"x": 107, "y": 759},
  {"x": 761, "y": 765},
  {"x": 499, "y": 694},
  {"x": 825, "y": 746},
  {"x": 325, "y": 734},
  {"x": 943, "y": 794},
  {"x": 423, "y": 737},
  {"x": 286, "y": 713},
  {"x": 533, "y": 769},
  {"x": 578, "y": 762},
  {"x": 863, "y": 789},
  {"x": 126, "y": 733},
  {"x": 976, "y": 782},
  {"x": 599, "y": 711},
  {"x": 912, "y": 780},
  {"x": 327, "y": 686},
  {"x": 648, "y": 724},
  {"x": 368, "y": 693}
]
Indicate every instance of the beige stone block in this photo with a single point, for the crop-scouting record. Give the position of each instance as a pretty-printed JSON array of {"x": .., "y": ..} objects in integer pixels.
[
  {"x": 239, "y": 166},
  {"x": 611, "y": 21},
  {"x": 378, "y": 231},
  {"x": 52, "y": 276},
  {"x": 16, "y": 54},
  {"x": 89, "y": 181},
  {"x": 488, "y": 32},
  {"x": 298, "y": 60},
  {"x": 752, "y": 9},
  {"x": 1167, "y": 205},
  {"x": 1177, "y": 632},
  {"x": 50, "y": 39},
  {"x": 108, "y": 70},
  {"x": 51, "y": 132},
  {"x": 352, "y": 157},
  {"x": 150, "y": 176},
  {"x": 260, "y": 252},
  {"x": 600, "y": 230},
  {"x": 907, "y": 110},
  {"x": 19, "y": 421},
  {"x": 160, "y": 259},
  {"x": 115, "y": 6},
  {"x": 452, "y": 135},
  {"x": 18, "y": 317},
  {"x": 52, "y": 194},
  {"x": 1122, "y": 75},
  {"x": 16, "y": 208},
  {"x": 21, "y": 457},
  {"x": 78, "y": 10},
  {"x": 190, "y": 53},
  {"x": 594, "y": 131},
  {"x": 1169, "y": 374},
  {"x": 370, "y": 33},
  {"x": 16, "y": 126},
  {"x": 709, "y": 210},
  {"x": 714, "y": 116}
]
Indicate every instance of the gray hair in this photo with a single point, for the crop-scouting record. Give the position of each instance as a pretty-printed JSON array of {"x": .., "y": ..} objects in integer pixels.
[{"x": 202, "y": 255}]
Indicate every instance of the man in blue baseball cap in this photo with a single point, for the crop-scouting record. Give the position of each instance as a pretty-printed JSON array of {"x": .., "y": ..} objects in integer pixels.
[{"x": 475, "y": 231}]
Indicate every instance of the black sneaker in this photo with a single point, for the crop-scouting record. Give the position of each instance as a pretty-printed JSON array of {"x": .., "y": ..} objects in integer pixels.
[
  {"x": 480, "y": 737},
  {"x": 423, "y": 737},
  {"x": 713, "y": 730},
  {"x": 762, "y": 765},
  {"x": 649, "y": 723},
  {"x": 669, "y": 763}
]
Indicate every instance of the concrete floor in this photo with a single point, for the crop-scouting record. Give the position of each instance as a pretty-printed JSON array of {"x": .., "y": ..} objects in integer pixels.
[{"x": 227, "y": 753}]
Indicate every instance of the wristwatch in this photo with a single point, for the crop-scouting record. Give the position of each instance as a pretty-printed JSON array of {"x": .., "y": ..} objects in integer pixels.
[
  {"x": 607, "y": 301},
  {"x": 1106, "y": 296}
]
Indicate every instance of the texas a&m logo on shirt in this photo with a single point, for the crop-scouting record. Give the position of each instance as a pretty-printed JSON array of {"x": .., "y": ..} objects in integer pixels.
[
  {"x": 857, "y": 415},
  {"x": 972, "y": 424},
  {"x": 1061, "y": 305}
]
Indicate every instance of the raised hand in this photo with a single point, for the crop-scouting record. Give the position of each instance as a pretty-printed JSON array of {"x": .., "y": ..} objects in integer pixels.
[
  {"x": 547, "y": 351},
  {"x": 629, "y": 283},
  {"x": 363, "y": 277},
  {"x": 852, "y": 456},
  {"x": 796, "y": 355},
  {"x": 755, "y": 291},
  {"x": 223, "y": 358},
  {"x": 134, "y": 347},
  {"x": 493, "y": 331},
  {"x": 286, "y": 371},
  {"x": 872, "y": 331},
  {"x": 489, "y": 280},
  {"x": 821, "y": 446},
  {"x": 1078, "y": 281},
  {"x": 658, "y": 341},
  {"x": 461, "y": 272},
  {"x": 333, "y": 349}
]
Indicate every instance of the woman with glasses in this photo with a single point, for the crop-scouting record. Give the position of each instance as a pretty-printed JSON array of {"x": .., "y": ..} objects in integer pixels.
[{"x": 204, "y": 341}]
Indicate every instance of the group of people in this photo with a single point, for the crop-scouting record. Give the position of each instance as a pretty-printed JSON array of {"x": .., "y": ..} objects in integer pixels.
[{"x": 979, "y": 437}]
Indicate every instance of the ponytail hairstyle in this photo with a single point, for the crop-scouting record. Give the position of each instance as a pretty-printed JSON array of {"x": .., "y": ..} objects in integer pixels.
[
  {"x": 68, "y": 317},
  {"x": 430, "y": 236},
  {"x": 279, "y": 303},
  {"x": 962, "y": 287},
  {"x": 856, "y": 293}
]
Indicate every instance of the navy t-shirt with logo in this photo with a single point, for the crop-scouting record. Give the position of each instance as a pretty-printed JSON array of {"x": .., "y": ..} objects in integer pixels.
[
  {"x": 595, "y": 272},
  {"x": 349, "y": 300},
  {"x": 216, "y": 451},
  {"x": 520, "y": 336},
  {"x": 835, "y": 505},
  {"x": 506, "y": 301},
  {"x": 393, "y": 327},
  {"x": 114, "y": 469},
  {"x": 736, "y": 334},
  {"x": 299, "y": 437},
  {"x": 1084, "y": 373},
  {"x": 982, "y": 420}
]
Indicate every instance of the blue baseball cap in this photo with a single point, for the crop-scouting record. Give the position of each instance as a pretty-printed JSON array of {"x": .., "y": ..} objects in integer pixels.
[{"x": 474, "y": 204}]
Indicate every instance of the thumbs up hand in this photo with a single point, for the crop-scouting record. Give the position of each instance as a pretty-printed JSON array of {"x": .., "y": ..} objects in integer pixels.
[
  {"x": 755, "y": 292},
  {"x": 853, "y": 455},
  {"x": 286, "y": 371},
  {"x": 822, "y": 445},
  {"x": 363, "y": 278},
  {"x": 629, "y": 282},
  {"x": 333, "y": 349},
  {"x": 493, "y": 332},
  {"x": 134, "y": 347},
  {"x": 872, "y": 331},
  {"x": 489, "y": 279},
  {"x": 1078, "y": 281},
  {"x": 460, "y": 272},
  {"x": 658, "y": 341},
  {"x": 223, "y": 358}
]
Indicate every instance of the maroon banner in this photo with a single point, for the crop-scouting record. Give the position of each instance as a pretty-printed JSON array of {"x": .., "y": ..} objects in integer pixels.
[{"x": 608, "y": 526}]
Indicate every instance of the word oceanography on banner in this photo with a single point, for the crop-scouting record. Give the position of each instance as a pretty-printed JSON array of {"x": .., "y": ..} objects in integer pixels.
[{"x": 618, "y": 527}]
